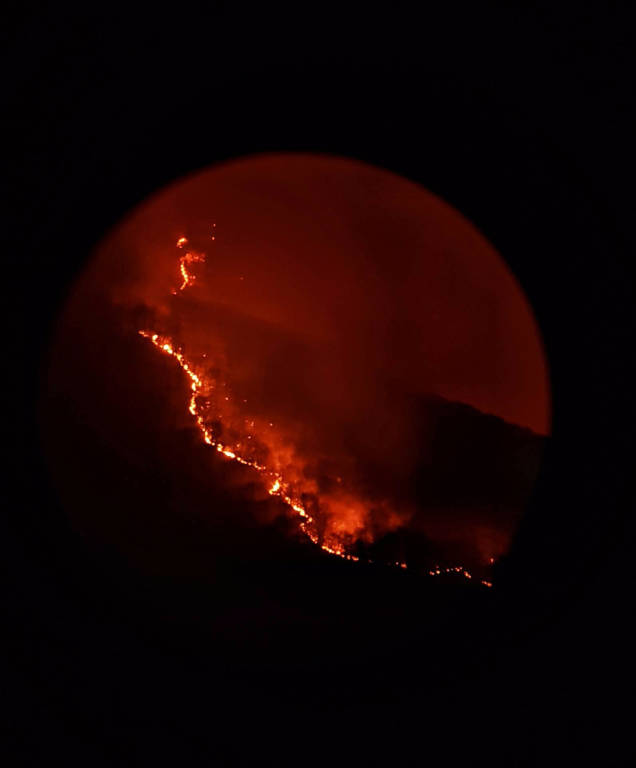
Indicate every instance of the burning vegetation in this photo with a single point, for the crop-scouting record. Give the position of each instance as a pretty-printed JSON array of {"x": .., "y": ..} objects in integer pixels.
[
  {"x": 331, "y": 516},
  {"x": 356, "y": 354}
]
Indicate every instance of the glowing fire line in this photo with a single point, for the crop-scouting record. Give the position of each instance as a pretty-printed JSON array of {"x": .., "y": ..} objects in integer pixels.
[{"x": 278, "y": 487}]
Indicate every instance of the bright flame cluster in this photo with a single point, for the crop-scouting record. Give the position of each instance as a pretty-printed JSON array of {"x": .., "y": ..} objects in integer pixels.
[{"x": 200, "y": 387}]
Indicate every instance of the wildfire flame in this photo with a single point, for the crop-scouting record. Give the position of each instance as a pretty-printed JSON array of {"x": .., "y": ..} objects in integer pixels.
[
  {"x": 185, "y": 260},
  {"x": 202, "y": 386}
]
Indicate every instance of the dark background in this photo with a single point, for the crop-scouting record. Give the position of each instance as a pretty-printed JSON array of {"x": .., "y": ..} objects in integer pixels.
[{"x": 521, "y": 120}]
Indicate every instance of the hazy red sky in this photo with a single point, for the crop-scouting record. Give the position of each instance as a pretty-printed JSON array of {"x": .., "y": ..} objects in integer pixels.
[{"x": 394, "y": 287}]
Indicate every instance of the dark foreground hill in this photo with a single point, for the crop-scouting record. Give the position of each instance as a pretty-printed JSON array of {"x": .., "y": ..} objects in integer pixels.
[{"x": 471, "y": 484}]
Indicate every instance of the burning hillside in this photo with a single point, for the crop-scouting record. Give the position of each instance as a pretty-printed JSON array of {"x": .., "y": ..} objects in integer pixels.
[
  {"x": 332, "y": 519},
  {"x": 305, "y": 342}
]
